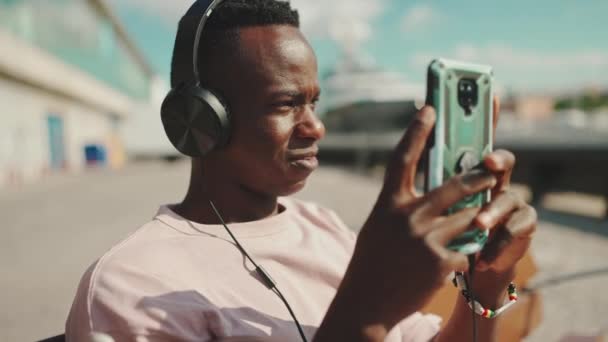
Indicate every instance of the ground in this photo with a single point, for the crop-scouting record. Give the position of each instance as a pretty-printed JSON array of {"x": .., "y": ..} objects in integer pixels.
[{"x": 54, "y": 229}]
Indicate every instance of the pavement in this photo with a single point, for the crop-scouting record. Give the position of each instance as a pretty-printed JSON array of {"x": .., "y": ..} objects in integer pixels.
[{"x": 54, "y": 229}]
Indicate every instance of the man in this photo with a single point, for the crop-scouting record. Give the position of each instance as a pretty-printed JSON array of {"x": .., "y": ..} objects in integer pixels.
[{"x": 181, "y": 277}]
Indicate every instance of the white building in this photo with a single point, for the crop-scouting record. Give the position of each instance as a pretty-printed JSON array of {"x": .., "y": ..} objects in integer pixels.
[
  {"x": 69, "y": 77},
  {"x": 345, "y": 86},
  {"x": 360, "y": 97}
]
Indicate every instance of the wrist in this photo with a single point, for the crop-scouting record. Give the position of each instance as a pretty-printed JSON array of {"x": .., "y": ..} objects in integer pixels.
[{"x": 490, "y": 288}]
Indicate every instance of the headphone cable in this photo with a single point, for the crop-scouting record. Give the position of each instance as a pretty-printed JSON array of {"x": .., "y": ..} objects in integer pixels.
[
  {"x": 266, "y": 279},
  {"x": 471, "y": 258}
]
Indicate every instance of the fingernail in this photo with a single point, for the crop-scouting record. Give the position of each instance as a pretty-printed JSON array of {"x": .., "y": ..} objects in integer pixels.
[
  {"x": 494, "y": 161},
  {"x": 493, "y": 182},
  {"x": 475, "y": 176},
  {"x": 484, "y": 219},
  {"x": 426, "y": 115}
]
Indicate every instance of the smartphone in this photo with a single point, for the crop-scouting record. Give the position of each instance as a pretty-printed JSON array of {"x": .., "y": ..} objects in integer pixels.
[{"x": 461, "y": 94}]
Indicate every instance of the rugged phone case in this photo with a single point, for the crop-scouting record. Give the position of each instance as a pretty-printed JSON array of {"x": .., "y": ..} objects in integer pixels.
[{"x": 461, "y": 94}]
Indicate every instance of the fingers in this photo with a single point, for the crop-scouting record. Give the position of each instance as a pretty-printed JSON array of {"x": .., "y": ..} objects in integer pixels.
[
  {"x": 453, "y": 225},
  {"x": 447, "y": 229},
  {"x": 457, "y": 261},
  {"x": 510, "y": 242},
  {"x": 493, "y": 249},
  {"x": 499, "y": 209},
  {"x": 522, "y": 224},
  {"x": 500, "y": 163},
  {"x": 401, "y": 171},
  {"x": 495, "y": 113},
  {"x": 457, "y": 188}
]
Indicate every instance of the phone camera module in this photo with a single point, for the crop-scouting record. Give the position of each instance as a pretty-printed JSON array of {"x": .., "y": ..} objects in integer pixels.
[{"x": 467, "y": 94}]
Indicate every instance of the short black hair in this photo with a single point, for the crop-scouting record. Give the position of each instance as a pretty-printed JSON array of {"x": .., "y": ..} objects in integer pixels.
[{"x": 221, "y": 29}]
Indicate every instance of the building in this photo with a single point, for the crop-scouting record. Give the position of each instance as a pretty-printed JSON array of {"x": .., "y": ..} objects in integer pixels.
[
  {"x": 360, "y": 97},
  {"x": 529, "y": 107},
  {"x": 69, "y": 77}
]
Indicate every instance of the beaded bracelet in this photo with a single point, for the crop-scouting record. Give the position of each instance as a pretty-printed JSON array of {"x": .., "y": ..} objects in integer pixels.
[{"x": 461, "y": 284}]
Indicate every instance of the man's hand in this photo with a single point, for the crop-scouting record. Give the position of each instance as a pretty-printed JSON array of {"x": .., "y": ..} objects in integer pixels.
[
  {"x": 511, "y": 219},
  {"x": 512, "y": 223},
  {"x": 401, "y": 258}
]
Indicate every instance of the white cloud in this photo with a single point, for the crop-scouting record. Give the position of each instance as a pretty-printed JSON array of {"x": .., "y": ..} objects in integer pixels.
[
  {"x": 318, "y": 17},
  {"x": 527, "y": 68},
  {"x": 508, "y": 57},
  {"x": 168, "y": 10},
  {"x": 339, "y": 19},
  {"x": 348, "y": 22},
  {"x": 419, "y": 17}
]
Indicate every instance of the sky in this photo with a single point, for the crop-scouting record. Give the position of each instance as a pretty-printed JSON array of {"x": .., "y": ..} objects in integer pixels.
[{"x": 539, "y": 46}]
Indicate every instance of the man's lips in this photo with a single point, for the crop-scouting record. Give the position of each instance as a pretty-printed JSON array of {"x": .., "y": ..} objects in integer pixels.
[
  {"x": 305, "y": 159},
  {"x": 301, "y": 155}
]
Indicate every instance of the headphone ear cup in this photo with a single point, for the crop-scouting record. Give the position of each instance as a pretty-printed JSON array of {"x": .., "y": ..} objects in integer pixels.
[{"x": 195, "y": 120}]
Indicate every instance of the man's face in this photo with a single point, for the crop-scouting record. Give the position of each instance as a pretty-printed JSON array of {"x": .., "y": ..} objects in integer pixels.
[{"x": 272, "y": 89}]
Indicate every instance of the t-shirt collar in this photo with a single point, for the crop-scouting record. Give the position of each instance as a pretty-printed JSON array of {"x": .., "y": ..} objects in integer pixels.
[{"x": 268, "y": 226}]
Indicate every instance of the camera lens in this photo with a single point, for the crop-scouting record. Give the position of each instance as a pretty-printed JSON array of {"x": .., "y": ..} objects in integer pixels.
[{"x": 467, "y": 94}]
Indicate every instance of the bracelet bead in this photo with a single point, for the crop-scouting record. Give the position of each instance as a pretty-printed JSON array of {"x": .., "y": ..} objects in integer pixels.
[{"x": 461, "y": 284}]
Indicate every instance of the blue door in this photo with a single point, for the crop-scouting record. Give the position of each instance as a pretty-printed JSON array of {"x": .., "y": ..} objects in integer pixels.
[{"x": 56, "y": 142}]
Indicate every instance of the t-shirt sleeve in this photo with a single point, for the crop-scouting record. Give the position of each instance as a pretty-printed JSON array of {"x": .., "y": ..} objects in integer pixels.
[
  {"x": 419, "y": 327},
  {"x": 130, "y": 305}
]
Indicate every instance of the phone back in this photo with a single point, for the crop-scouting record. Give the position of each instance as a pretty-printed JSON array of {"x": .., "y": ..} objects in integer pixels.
[{"x": 461, "y": 94}]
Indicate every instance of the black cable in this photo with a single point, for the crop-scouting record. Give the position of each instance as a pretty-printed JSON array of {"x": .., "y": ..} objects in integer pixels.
[
  {"x": 268, "y": 281},
  {"x": 238, "y": 245},
  {"x": 471, "y": 295},
  {"x": 292, "y": 314}
]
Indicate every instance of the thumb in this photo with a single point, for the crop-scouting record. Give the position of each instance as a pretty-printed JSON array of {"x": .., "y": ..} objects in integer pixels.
[{"x": 401, "y": 170}]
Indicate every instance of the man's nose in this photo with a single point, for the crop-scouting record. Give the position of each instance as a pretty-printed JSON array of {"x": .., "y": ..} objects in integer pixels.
[{"x": 310, "y": 126}]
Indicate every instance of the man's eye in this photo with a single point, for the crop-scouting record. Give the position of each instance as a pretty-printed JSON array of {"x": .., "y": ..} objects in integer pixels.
[{"x": 286, "y": 104}]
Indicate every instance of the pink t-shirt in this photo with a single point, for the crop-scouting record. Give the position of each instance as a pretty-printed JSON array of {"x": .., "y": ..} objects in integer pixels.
[{"x": 174, "y": 279}]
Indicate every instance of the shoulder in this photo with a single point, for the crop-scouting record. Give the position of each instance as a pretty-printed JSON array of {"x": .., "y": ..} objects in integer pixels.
[
  {"x": 318, "y": 215},
  {"x": 143, "y": 263},
  {"x": 132, "y": 255},
  {"x": 132, "y": 290},
  {"x": 116, "y": 273}
]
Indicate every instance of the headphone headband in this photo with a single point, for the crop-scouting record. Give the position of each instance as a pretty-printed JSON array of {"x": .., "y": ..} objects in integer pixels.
[
  {"x": 196, "y": 119},
  {"x": 197, "y": 38}
]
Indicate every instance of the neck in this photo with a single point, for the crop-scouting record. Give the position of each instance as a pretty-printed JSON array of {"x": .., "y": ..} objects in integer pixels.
[{"x": 235, "y": 202}]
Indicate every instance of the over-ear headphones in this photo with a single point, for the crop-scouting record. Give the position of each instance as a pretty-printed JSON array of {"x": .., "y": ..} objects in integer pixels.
[{"x": 196, "y": 119}]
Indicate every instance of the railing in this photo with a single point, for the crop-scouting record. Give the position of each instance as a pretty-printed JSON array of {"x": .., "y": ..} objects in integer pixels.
[{"x": 551, "y": 156}]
